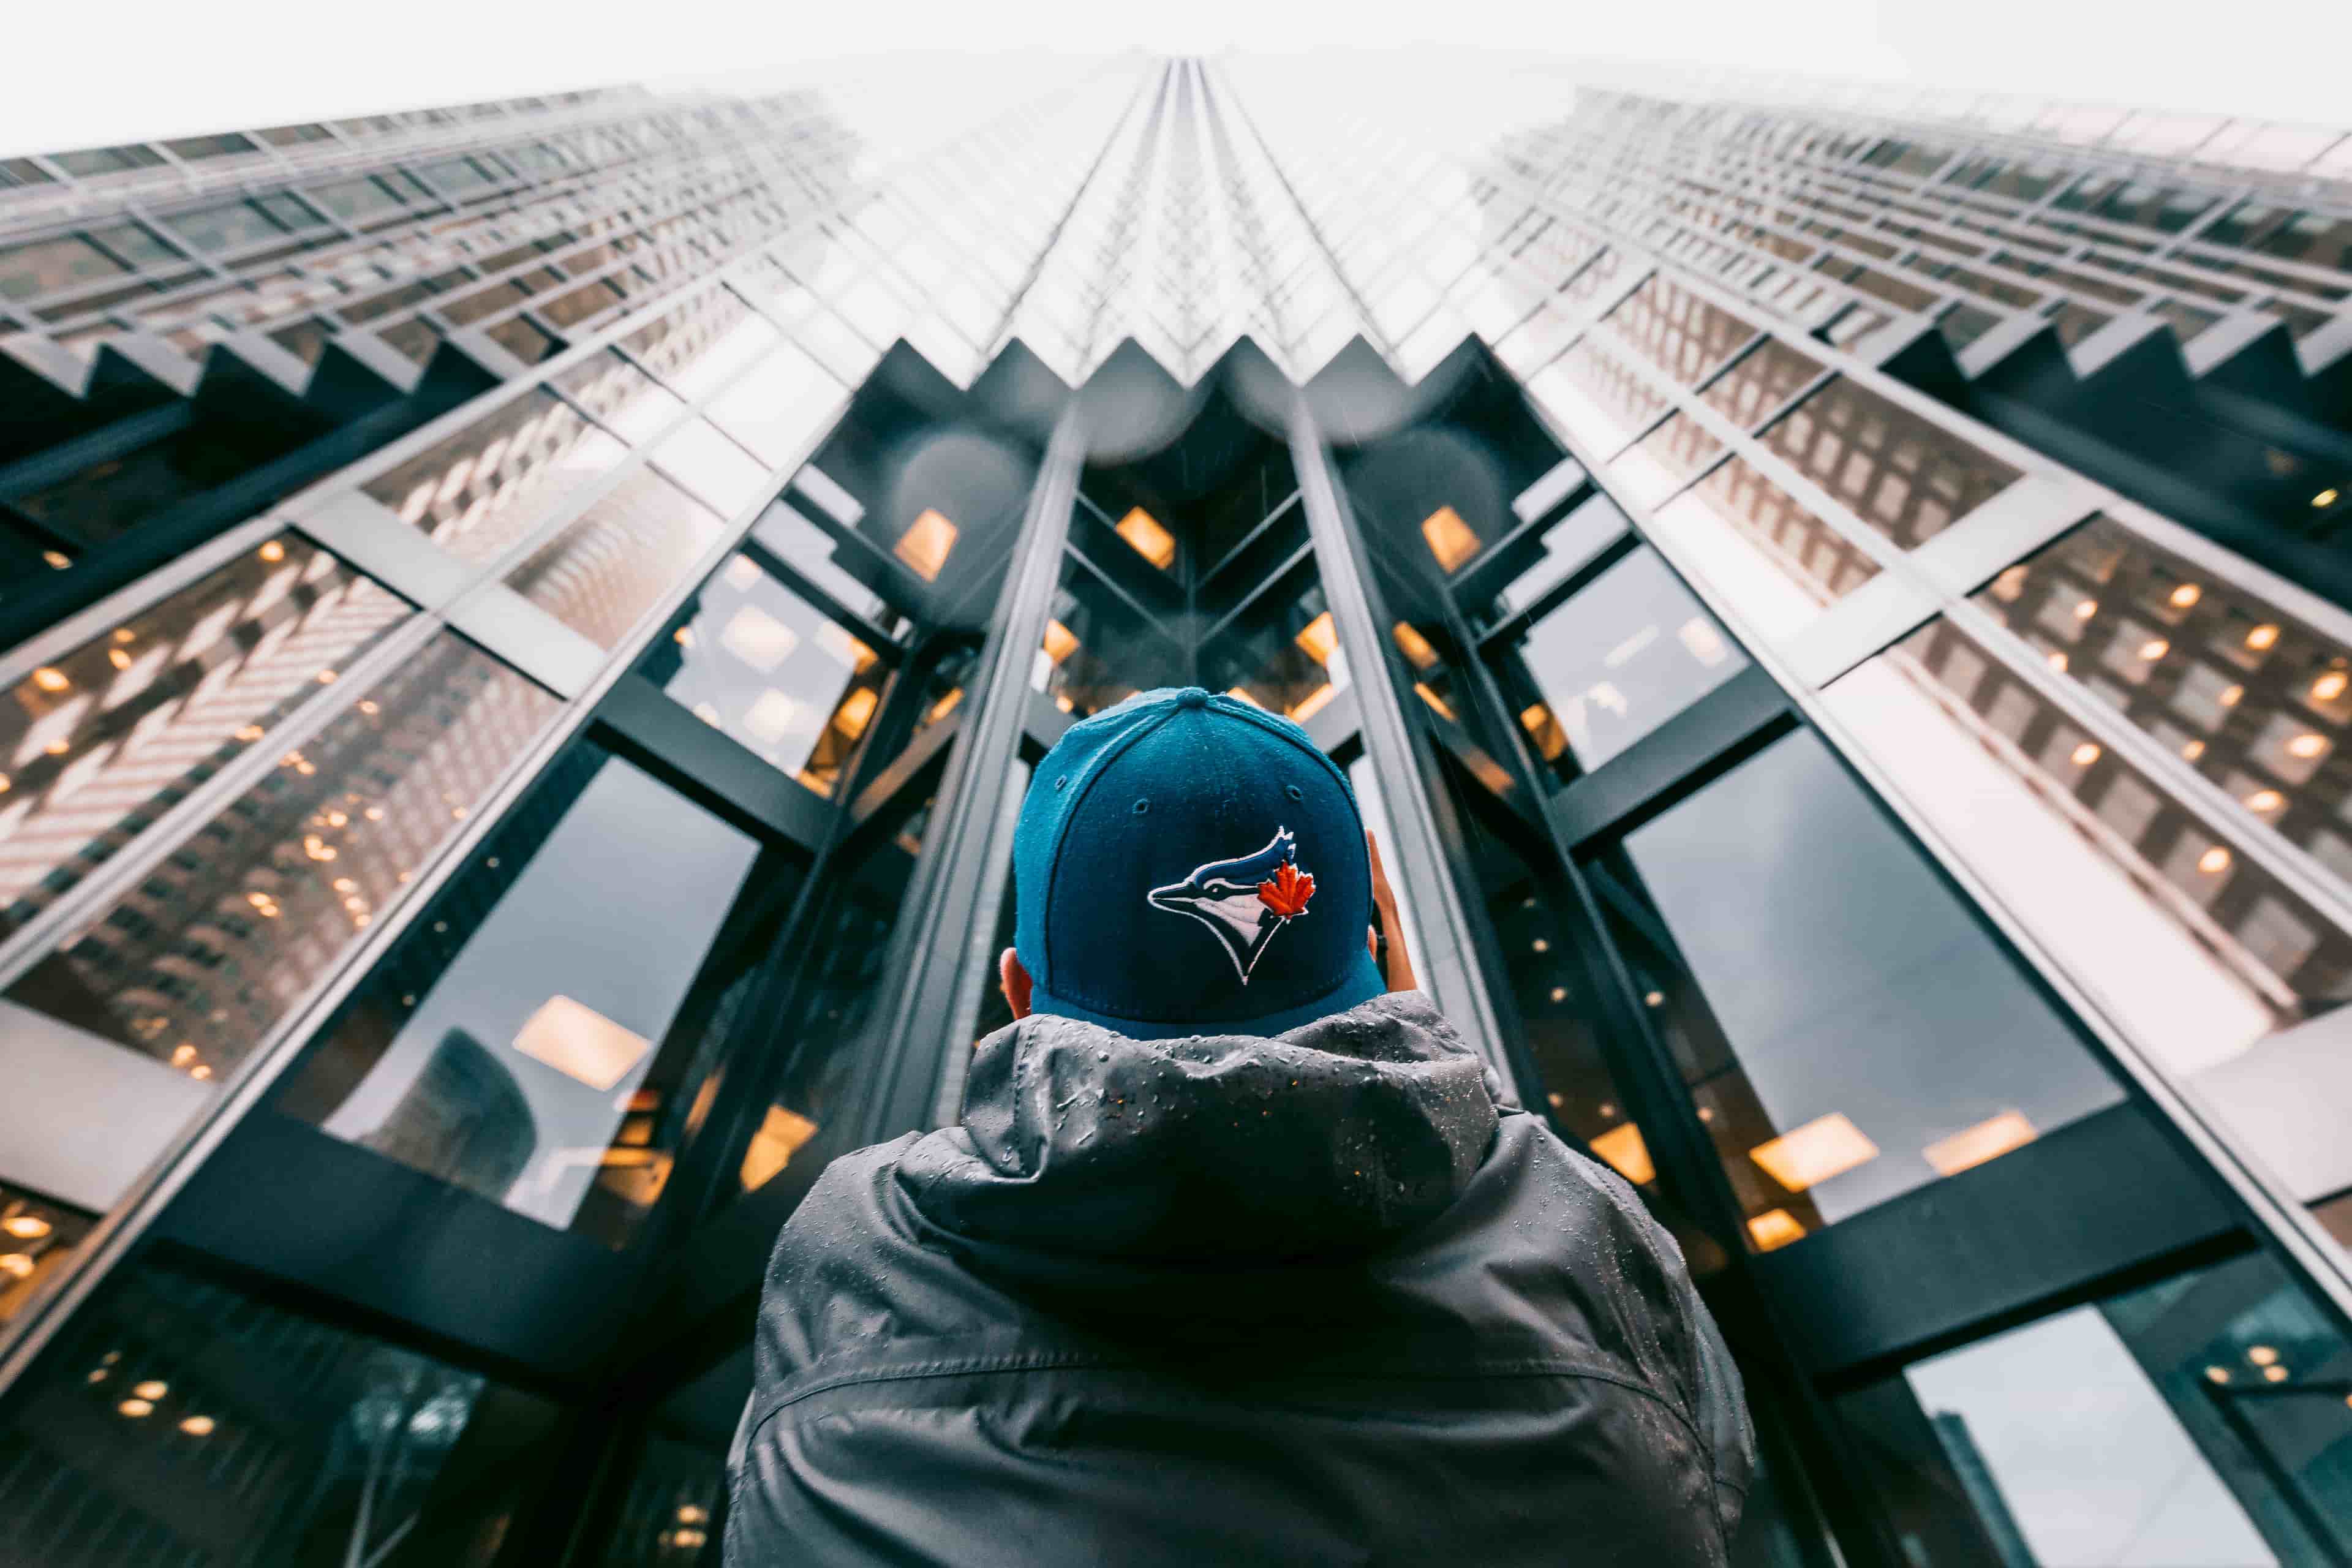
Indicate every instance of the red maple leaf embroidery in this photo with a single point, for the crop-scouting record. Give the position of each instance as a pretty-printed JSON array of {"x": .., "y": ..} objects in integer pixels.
[{"x": 1287, "y": 894}]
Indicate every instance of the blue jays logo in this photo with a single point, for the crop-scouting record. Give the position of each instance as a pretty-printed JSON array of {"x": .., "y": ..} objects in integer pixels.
[{"x": 1243, "y": 902}]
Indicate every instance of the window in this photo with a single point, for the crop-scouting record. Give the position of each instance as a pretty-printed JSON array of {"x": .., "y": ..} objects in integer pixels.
[
  {"x": 1099, "y": 649},
  {"x": 2200, "y": 1419},
  {"x": 302, "y": 1444},
  {"x": 37, "y": 1236},
  {"x": 226, "y": 226},
  {"x": 48, "y": 265},
  {"x": 544, "y": 1034},
  {"x": 196, "y": 964},
  {"x": 778, "y": 406},
  {"x": 1777, "y": 563},
  {"x": 608, "y": 567},
  {"x": 1848, "y": 1032},
  {"x": 1677, "y": 331},
  {"x": 750, "y": 657},
  {"x": 491, "y": 486},
  {"x": 1901, "y": 473},
  {"x": 1618, "y": 658},
  {"x": 2208, "y": 958},
  {"x": 97, "y": 745}
]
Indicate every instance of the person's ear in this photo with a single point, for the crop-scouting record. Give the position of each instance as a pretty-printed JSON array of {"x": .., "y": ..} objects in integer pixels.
[{"x": 1015, "y": 981}]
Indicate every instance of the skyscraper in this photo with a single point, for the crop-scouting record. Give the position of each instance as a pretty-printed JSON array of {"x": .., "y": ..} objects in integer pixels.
[{"x": 1834, "y": 601}]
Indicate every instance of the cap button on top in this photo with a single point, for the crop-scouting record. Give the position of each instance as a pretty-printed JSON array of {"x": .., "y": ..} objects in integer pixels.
[{"x": 1191, "y": 697}]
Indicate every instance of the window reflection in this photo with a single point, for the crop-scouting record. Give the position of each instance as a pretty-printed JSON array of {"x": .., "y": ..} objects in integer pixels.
[
  {"x": 1281, "y": 651},
  {"x": 750, "y": 658},
  {"x": 778, "y": 406},
  {"x": 197, "y": 964},
  {"x": 530, "y": 1037},
  {"x": 2256, "y": 699},
  {"x": 843, "y": 564},
  {"x": 1554, "y": 555},
  {"x": 492, "y": 485},
  {"x": 1779, "y": 565},
  {"x": 176, "y": 1421},
  {"x": 1759, "y": 384},
  {"x": 2201, "y": 1419},
  {"x": 37, "y": 1236},
  {"x": 98, "y": 744},
  {"x": 1677, "y": 331},
  {"x": 1661, "y": 462},
  {"x": 670, "y": 1513},
  {"x": 1847, "y": 1030},
  {"x": 608, "y": 567},
  {"x": 1614, "y": 662},
  {"x": 1594, "y": 392},
  {"x": 841, "y": 982},
  {"x": 1900, "y": 473},
  {"x": 620, "y": 395},
  {"x": 2210, "y": 960},
  {"x": 1099, "y": 649}
]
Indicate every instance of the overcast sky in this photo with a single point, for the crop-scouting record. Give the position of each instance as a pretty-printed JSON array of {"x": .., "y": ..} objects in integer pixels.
[{"x": 117, "y": 70}]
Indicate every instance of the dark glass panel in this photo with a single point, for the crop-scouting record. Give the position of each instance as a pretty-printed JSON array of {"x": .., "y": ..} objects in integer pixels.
[
  {"x": 179, "y": 1423},
  {"x": 1614, "y": 662},
  {"x": 540, "y": 1034},
  {"x": 1848, "y": 1031},
  {"x": 2206, "y": 1418},
  {"x": 754, "y": 659},
  {"x": 1099, "y": 649}
]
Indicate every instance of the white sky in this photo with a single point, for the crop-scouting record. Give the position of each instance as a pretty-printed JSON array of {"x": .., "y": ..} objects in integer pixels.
[{"x": 119, "y": 70}]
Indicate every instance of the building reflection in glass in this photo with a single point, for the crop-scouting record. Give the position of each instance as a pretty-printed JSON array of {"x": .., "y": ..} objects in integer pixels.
[{"x": 538, "y": 1034}]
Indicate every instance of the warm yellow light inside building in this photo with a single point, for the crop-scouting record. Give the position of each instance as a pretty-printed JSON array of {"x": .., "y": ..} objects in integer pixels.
[
  {"x": 1151, "y": 541},
  {"x": 1319, "y": 639},
  {"x": 25, "y": 1226},
  {"x": 1450, "y": 539},
  {"x": 581, "y": 1042},
  {"x": 1774, "y": 1228},
  {"x": 1988, "y": 1139},
  {"x": 855, "y": 711},
  {"x": 1061, "y": 642},
  {"x": 1436, "y": 703},
  {"x": 1238, "y": 695},
  {"x": 944, "y": 706},
  {"x": 1824, "y": 1147},
  {"x": 772, "y": 1145},
  {"x": 1311, "y": 704},
  {"x": 924, "y": 547},
  {"x": 1413, "y": 645},
  {"x": 1550, "y": 739},
  {"x": 1626, "y": 1154}
]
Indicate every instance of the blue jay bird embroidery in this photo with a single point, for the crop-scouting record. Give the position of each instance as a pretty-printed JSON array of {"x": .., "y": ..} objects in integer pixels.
[{"x": 1243, "y": 902}]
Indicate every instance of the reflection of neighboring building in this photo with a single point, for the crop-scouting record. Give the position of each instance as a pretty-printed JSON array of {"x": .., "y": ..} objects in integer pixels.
[
  {"x": 1983, "y": 1490},
  {"x": 464, "y": 1120}
]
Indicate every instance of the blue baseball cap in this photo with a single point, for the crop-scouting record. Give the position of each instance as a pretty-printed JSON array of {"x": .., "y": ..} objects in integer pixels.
[{"x": 1189, "y": 864}]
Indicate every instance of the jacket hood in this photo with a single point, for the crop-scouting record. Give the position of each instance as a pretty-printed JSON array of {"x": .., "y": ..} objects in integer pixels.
[{"x": 1080, "y": 1143}]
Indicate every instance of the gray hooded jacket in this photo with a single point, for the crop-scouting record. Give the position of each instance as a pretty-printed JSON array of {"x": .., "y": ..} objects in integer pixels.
[{"x": 1324, "y": 1298}]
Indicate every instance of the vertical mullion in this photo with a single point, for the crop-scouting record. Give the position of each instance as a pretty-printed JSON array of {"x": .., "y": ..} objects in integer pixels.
[
  {"x": 929, "y": 949},
  {"x": 1399, "y": 754}
]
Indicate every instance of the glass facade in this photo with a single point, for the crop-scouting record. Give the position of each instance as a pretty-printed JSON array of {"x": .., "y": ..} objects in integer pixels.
[{"x": 522, "y": 625}]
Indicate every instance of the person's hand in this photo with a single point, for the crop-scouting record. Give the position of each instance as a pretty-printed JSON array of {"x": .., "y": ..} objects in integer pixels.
[{"x": 1399, "y": 975}]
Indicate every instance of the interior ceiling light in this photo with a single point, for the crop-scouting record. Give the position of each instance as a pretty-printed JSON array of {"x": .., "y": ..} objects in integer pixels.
[
  {"x": 1824, "y": 1147},
  {"x": 926, "y": 544},
  {"x": 1151, "y": 541},
  {"x": 1988, "y": 1139},
  {"x": 1450, "y": 539},
  {"x": 1622, "y": 1147},
  {"x": 581, "y": 1042}
]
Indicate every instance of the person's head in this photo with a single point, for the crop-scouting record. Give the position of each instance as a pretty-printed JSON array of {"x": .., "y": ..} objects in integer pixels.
[{"x": 1187, "y": 864}]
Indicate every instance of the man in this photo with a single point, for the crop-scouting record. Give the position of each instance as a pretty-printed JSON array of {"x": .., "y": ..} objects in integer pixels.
[{"x": 1239, "y": 1255}]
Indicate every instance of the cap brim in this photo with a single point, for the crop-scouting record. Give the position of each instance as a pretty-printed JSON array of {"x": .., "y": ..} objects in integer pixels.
[{"x": 1362, "y": 984}]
